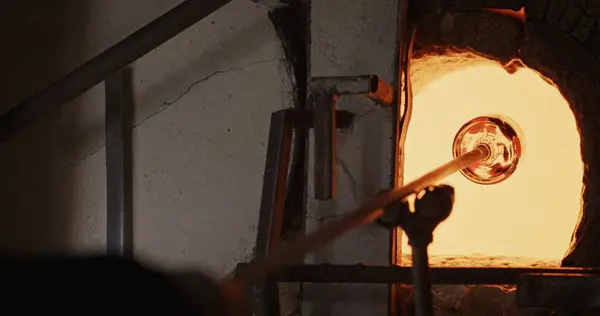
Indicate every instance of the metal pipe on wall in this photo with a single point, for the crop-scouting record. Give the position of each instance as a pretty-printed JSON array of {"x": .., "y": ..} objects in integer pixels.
[
  {"x": 119, "y": 211},
  {"x": 100, "y": 67}
]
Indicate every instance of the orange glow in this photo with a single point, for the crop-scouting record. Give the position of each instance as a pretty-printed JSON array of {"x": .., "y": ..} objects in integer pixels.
[
  {"x": 533, "y": 213},
  {"x": 519, "y": 15}
]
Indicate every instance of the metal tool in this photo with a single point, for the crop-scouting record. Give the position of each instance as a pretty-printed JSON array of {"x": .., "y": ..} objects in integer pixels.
[{"x": 431, "y": 206}]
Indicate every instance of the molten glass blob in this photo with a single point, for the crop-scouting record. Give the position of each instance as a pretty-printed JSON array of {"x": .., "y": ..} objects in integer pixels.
[{"x": 501, "y": 142}]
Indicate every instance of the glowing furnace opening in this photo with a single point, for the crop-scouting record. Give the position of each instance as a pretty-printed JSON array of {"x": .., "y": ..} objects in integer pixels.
[{"x": 533, "y": 213}]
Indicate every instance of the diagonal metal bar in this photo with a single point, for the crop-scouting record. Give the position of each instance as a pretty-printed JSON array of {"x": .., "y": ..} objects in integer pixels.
[
  {"x": 274, "y": 183},
  {"x": 272, "y": 205},
  {"x": 113, "y": 59}
]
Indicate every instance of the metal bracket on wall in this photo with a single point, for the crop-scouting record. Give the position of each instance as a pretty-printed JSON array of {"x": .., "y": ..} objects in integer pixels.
[
  {"x": 119, "y": 212},
  {"x": 323, "y": 95}
]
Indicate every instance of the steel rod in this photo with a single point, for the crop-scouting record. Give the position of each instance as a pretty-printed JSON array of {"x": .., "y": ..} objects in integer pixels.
[
  {"x": 358, "y": 273},
  {"x": 324, "y": 146},
  {"x": 364, "y": 215},
  {"x": 421, "y": 281},
  {"x": 113, "y": 59},
  {"x": 118, "y": 95},
  {"x": 272, "y": 205}
]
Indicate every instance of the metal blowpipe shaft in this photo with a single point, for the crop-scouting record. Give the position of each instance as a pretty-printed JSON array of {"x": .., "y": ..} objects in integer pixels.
[{"x": 367, "y": 213}]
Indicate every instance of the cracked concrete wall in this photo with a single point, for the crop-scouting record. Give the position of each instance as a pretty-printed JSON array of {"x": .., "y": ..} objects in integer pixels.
[
  {"x": 202, "y": 105},
  {"x": 201, "y": 118},
  {"x": 353, "y": 37}
]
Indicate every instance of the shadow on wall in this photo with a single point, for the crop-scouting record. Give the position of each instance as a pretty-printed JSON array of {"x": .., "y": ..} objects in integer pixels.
[
  {"x": 232, "y": 50},
  {"x": 43, "y": 40}
]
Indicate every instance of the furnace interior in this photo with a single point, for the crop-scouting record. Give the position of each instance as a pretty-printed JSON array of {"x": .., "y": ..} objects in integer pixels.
[{"x": 527, "y": 219}]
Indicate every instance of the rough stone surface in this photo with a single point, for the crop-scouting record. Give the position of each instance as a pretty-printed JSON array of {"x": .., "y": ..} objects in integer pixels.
[
  {"x": 536, "y": 9},
  {"x": 480, "y": 32},
  {"x": 579, "y": 18},
  {"x": 431, "y": 6},
  {"x": 491, "y": 35},
  {"x": 471, "y": 36}
]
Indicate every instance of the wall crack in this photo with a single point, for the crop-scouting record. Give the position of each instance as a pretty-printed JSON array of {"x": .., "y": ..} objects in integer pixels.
[
  {"x": 165, "y": 105},
  {"x": 322, "y": 218},
  {"x": 86, "y": 156},
  {"x": 353, "y": 184}
]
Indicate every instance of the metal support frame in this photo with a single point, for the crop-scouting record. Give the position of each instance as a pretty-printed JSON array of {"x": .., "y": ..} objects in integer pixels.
[
  {"x": 283, "y": 123},
  {"x": 119, "y": 103},
  {"x": 270, "y": 220},
  {"x": 100, "y": 67},
  {"x": 332, "y": 273},
  {"x": 324, "y": 92},
  {"x": 274, "y": 183},
  {"x": 402, "y": 108},
  {"x": 271, "y": 216},
  {"x": 570, "y": 291}
]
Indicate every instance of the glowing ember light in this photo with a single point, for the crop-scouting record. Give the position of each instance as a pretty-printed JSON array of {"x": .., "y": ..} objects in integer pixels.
[{"x": 533, "y": 213}]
